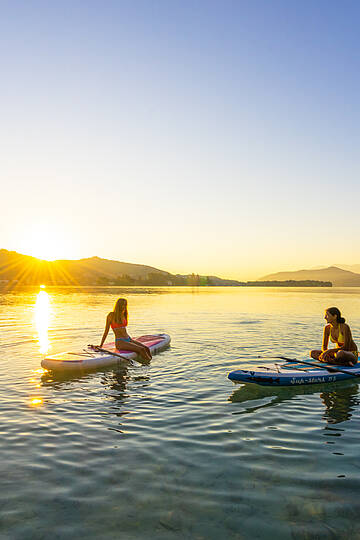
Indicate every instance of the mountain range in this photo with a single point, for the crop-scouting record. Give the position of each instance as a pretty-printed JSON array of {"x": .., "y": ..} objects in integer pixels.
[
  {"x": 339, "y": 277},
  {"x": 27, "y": 270}
]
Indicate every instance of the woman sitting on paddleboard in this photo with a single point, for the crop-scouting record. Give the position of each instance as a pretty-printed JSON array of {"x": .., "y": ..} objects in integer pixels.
[
  {"x": 345, "y": 351},
  {"x": 118, "y": 320}
]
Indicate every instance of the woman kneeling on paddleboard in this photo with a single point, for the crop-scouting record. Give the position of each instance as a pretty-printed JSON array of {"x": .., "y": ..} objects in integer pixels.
[
  {"x": 118, "y": 320},
  {"x": 345, "y": 353}
]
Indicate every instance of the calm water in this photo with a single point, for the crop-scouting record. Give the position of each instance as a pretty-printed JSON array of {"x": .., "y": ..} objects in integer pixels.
[{"x": 175, "y": 450}]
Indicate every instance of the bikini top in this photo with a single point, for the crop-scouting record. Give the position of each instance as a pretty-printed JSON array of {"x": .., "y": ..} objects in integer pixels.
[
  {"x": 341, "y": 338},
  {"x": 118, "y": 325}
]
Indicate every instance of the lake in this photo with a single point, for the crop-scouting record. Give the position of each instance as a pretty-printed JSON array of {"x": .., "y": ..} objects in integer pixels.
[{"x": 175, "y": 450}]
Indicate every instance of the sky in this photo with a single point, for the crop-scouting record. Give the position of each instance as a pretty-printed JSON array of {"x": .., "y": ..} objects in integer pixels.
[{"x": 216, "y": 137}]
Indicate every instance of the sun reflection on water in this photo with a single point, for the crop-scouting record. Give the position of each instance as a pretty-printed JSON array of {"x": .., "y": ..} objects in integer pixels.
[
  {"x": 42, "y": 319},
  {"x": 36, "y": 402}
]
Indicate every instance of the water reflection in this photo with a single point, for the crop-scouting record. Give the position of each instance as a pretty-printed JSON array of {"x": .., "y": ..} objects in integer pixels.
[
  {"x": 62, "y": 380},
  {"x": 36, "y": 401},
  {"x": 42, "y": 320},
  {"x": 340, "y": 399},
  {"x": 115, "y": 382},
  {"x": 340, "y": 404}
]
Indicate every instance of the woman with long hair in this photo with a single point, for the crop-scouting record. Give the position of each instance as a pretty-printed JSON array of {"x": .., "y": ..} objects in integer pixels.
[
  {"x": 338, "y": 332},
  {"x": 118, "y": 320}
]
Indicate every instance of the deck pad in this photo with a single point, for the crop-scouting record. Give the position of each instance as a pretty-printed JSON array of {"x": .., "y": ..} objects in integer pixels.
[
  {"x": 300, "y": 365},
  {"x": 149, "y": 341}
]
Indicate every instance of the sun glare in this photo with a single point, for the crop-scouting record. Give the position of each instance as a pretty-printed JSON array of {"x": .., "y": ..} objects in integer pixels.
[
  {"x": 45, "y": 241},
  {"x": 36, "y": 402},
  {"x": 42, "y": 320}
]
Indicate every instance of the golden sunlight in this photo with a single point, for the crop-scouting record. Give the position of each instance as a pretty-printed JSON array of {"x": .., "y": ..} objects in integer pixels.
[
  {"x": 36, "y": 401},
  {"x": 42, "y": 319},
  {"x": 45, "y": 241}
]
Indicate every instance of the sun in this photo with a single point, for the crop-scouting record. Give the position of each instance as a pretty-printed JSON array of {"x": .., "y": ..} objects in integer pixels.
[{"x": 46, "y": 241}]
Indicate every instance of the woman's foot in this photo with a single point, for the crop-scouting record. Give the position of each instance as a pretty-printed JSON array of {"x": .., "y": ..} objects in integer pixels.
[{"x": 145, "y": 355}]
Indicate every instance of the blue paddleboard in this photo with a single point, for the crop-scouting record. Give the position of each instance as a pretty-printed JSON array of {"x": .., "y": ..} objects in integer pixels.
[{"x": 294, "y": 373}]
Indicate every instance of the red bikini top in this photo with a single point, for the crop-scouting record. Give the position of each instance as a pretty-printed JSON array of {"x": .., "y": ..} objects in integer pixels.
[{"x": 118, "y": 325}]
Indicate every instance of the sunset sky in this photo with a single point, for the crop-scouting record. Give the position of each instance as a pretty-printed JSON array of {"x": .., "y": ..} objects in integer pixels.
[{"x": 218, "y": 137}]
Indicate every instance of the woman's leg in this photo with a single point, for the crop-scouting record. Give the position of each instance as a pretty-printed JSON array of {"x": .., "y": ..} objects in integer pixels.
[
  {"x": 142, "y": 345},
  {"x": 131, "y": 346},
  {"x": 345, "y": 358}
]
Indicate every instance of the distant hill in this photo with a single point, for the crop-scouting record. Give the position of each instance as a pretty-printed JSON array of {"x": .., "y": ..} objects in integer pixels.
[
  {"x": 290, "y": 283},
  {"x": 26, "y": 270},
  {"x": 351, "y": 267},
  {"x": 337, "y": 276}
]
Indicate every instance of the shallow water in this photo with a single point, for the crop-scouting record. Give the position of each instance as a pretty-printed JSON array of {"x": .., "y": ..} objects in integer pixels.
[{"x": 175, "y": 449}]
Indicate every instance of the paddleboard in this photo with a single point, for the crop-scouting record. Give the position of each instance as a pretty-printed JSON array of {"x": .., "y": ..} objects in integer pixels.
[
  {"x": 87, "y": 358},
  {"x": 293, "y": 373}
]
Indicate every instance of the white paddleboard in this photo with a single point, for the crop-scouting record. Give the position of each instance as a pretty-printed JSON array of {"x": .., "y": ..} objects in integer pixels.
[{"x": 87, "y": 358}]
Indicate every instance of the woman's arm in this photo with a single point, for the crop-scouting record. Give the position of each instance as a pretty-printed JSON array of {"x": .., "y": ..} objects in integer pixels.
[
  {"x": 347, "y": 338},
  {"x": 326, "y": 336},
  {"x": 325, "y": 342},
  {"x": 106, "y": 331}
]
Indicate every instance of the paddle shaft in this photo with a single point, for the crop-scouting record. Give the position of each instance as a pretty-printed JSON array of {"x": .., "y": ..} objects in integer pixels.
[
  {"x": 331, "y": 369},
  {"x": 108, "y": 352}
]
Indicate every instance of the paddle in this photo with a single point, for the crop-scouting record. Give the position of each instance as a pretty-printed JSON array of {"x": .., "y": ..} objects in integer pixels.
[
  {"x": 96, "y": 348},
  {"x": 330, "y": 369}
]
